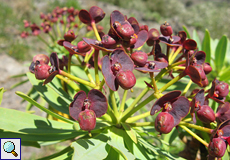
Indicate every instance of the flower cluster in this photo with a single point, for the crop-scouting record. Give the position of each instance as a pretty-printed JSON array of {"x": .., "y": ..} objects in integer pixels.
[{"x": 117, "y": 55}]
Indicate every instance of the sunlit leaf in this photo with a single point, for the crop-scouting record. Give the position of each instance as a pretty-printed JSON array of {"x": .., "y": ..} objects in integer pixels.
[
  {"x": 131, "y": 132},
  {"x": 220, "y": 53},
  {"x": 186, "y": 30},
  {"x": 197, "y": 39},
  {"x": 89, "y": 149},
  {"x": 206, "y": 46}
]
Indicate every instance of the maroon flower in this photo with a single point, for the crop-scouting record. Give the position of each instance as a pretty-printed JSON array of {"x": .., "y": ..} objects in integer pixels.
[
  {"x": 117, "y": 70},
  {"x": 94, "y": 15},
  {"x": 172, "y": 104},
  {"x": 152, "y": 66},
  {"x": 218, "y": 91},
  {"x": 91, "y": 106},
  {"x": 69, "y": 37},
  {"x": 223, "y": 112},
  {"x": 35, "y": 29}
]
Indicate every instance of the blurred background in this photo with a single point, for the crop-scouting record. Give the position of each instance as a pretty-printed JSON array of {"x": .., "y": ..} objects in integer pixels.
[{"x": 16, "y": 53}]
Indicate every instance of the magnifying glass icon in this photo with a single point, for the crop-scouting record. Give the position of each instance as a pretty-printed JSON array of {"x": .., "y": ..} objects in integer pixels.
[{"x": 9, "y": 147}]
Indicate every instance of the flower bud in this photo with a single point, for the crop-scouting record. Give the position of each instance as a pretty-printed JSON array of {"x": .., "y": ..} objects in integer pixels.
[
  {"x": 166, "y": 29},
  {"x": 217, "y": 147},
  {"x": 206, "y": 114},
  {"x": 87, "y": 120},
  {"x": 139, "y": 58},
  {"x": 164, "y": 122},
  {"x": 126, "y": 79}
]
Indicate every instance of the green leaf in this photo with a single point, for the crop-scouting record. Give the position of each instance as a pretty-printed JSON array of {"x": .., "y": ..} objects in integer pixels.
[
  {"x": 220, "y": 53},
  {"x": 18, "y": 75},
  {"x": 225, "y": 75},
  {"x": 197, "y": 39},
  {"x": 21, "y": 122},
  {"x": 1, "y": 94},
  {"x": 24, "y": 96},
  {"x": 131, "y": 132},
  {"x": 60, "y": 155},
  {"x": 88, "y": 149},
  {"x": 206, "y": 47},
  {"x": 19, "y": 83},
  {"x": 137, "y": 149},
  {"x": 52, "y": 93},
  {"x": 112, "y": 153},
  {"x": 117, "y": 142},
  {"x": 186, "y": 30}
]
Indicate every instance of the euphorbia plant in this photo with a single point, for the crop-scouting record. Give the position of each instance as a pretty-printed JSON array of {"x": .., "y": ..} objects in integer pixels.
[{"x": 89, "y": 110}]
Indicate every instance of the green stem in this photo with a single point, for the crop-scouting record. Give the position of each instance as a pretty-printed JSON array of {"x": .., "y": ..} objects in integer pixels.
[
  {"x": 138, "y": 107},
  {"x": 111, "y": 113},
  {"x": 96, "y": 54},
  {"x": 102, "y": 84},
  {"x": 69, "y": 63},
  {"x": 194, "y": 135},
  {"x": 174, "y": 80},
  {"x": 106, "y": 117},
  {"x": 171, "y": 59},
  {"x": 176, "y": 64},
  {"x": 187, "y": 87},
  {"x": 200, "y": 128},
  {"x": 138, "y": 117},
  {"x": 40, "y": 38},
  {"x": 77, "y": 79},
  {"x": 71, "y": 83},
  {"x": 87, "y": 58},
  {"x": 141, "y": 124},
  {"x": 58, "y": 30},
  {"x": 122, "y": 106},
  {"x": 85, "y": 68},
  {"x": 114, "y": 104},
  {"x": 138, "y": 98},
  {"x": 153, "y": 82},
  {"x": 95, "y": 31}
]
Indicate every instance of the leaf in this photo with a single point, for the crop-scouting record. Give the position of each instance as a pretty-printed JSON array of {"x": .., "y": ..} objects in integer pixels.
[
  {"x": 220, "y": 53},
  {"x": 53, "y": 94},
  {"x": 206, "y": 47},
  {"x": 88, "y": 149},
  {"x": 137, "y": 149},
  {"x": 186, "y": 30},
  {"x": 60, "y": 155},
  {"x": 19, "y": 83},
  {"x": 31, "y": 124},
  {"x": 112, "y": 153},
  {"x": 130, "y": 131},
  {"x": 117, "y": 142},
  {"x": 1, "y": 94},
  {"x": 197, "y": 39},
  {"x": 225, "y": 75},
  {"x": 24, "y": 96}
]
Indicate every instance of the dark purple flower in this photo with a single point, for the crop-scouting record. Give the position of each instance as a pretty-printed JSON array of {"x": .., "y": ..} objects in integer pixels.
[
  {"x": 117, "y": 70},
  {"x": 174, "y": 104}
]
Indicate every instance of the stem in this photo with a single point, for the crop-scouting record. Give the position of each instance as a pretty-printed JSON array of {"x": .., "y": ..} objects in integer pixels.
[
  {"x": 122, "y": 106},
  {"x": 77, "y": 79},
  {"x": 171, "y": 59},
  {"x": 114, "y": 104},
  {"x": 136, "y": 118},
  {"x": 85, "y": 68},
  {"x": 106, "y": 117},
  {"x": 194, "y": 135},
  {"x": 95, "y": 30},
  {"x": 174, "y": 80},
  {"x": 153, "y": 82},
  {"x": 141, "y": 124},
  {"x": 176, "y": 64},
  {"x": 138, "y": 98},
  {"x": 111, "y": 113},
  {"x": 200, "y": 128},
  {"x": 138, "y": 107},
  {"x": 102, "y": 84},
  {"x": 96, "y": 54},
  {"x": 187, "y": 87},
  {"x": 71, "y": 83},
  {"x": 40, "y": 38},
  {"x": 87, "y": 58},
  {"x": 179, "y": 67},
  {"x": 69, "y": 63}
]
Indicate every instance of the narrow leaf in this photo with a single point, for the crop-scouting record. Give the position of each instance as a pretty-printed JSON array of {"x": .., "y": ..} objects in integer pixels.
[
  {"x": 186, "y": 30},
  {"x": 131, "y": 132},
  {"x": 19, "y": 83},
  {"x": 197, "y": 39},
  {"x": 206, "y": 45},
  {"x": 1, "y": 94},
  {"x": 220, "y": 53},
  {"x": 27, "y": 98}
]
